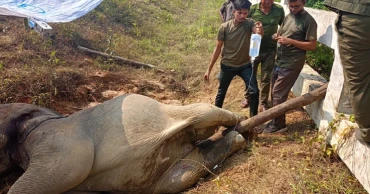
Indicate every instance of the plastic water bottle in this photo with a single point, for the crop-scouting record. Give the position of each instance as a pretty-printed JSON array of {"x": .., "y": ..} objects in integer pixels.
[{"x": 254, "y": 48}]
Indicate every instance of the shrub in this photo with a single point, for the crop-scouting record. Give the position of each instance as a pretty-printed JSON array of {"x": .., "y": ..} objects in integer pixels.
[
  {"x": 317, "y": 4},
  {"x": 321, "y": 60}
]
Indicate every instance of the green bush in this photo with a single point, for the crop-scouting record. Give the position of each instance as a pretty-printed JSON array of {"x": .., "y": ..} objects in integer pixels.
[
  {"x": 317, "y": 4},
  {"x": 321, "y": 60}
]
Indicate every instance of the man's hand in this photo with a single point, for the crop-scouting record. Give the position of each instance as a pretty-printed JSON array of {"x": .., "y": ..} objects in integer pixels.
[
  {"x": 258, "y": 26},
  {"x": 284, "y": 40},
  {"x": 206, "y": 76},
  {"x": 275, "y": 36}
]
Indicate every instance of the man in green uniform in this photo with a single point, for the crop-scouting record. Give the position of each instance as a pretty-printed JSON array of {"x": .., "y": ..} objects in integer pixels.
[
  {"x": 270, "y": 15},
  {"x": 354, "y": 49},
  {"x": 233, "y": 39},
  {"x": 297, "y": 34}
]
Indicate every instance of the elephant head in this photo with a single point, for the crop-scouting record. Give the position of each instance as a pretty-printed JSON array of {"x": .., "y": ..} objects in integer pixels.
[{"x": 16, "y": 122}]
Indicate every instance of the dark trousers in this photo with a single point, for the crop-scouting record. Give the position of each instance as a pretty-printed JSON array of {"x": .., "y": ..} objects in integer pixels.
[
  {"x": 354, "y": 50},
  {"x": 246, "y": 73},
  {"x": 283, "y": 80},
  {"x": 267, "y": 60}
]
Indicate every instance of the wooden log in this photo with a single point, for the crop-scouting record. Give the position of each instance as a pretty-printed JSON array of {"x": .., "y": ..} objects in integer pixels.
[
  {"x": 306, "y": 99},
  {"x": 118, "y": 58},
  {"x": 246, "y": 127}
]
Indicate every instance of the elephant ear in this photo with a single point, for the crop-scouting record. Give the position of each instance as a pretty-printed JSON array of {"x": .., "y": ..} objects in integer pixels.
[{"x": 21, "y": 119}]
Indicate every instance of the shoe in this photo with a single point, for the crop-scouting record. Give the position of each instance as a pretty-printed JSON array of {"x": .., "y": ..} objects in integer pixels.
[
  {"x": 271, "y": 128},
  {"x": 263, "y": 108},
  {"x": 244, "y": 103},
  {"x": 359, "y": 138},
  {"x": 347, "y": 104}
]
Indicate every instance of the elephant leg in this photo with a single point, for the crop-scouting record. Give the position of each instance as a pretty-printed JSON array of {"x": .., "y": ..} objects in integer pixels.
[
  {"x": 197, "y": 164},
  {"x": 55, "y": 167}
]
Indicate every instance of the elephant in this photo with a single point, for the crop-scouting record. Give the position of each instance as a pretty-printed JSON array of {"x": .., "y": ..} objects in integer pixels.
[{"x": 129, "y": 144}]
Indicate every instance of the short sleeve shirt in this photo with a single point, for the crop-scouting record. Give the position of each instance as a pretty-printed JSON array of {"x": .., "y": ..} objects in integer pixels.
[
  {"x": 301, "y": 27},
  {"x": 236, "y": 38},
  {"x": 270, "y": 23}
]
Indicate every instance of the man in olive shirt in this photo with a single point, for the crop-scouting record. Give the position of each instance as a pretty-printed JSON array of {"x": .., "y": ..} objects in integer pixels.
[
  {"x": 297, "y": 34},
  {"x": 354, "y": 49},
  {"x": 233, "y": 39},
  {"x": 270, "y": 15}
]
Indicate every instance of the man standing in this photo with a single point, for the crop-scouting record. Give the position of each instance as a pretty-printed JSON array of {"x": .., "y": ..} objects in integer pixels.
[
  {"x": 297, "y": 34},
  {"x": 226, "y": 10},
  {"x": 233, "y": 38},
  {"x": 270, "y": 15},
  {"x": 354, "y": 49}
]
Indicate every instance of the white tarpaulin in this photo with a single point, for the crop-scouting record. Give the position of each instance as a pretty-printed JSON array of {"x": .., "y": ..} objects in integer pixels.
[{"x": 48, "y": 10}]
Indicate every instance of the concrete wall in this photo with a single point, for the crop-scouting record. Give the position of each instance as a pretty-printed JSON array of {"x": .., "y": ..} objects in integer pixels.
[{"x": 354, "y": 154}]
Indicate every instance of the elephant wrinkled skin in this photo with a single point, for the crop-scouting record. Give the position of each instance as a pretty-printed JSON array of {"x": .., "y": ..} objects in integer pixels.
[{"x": 131, "y": 143}]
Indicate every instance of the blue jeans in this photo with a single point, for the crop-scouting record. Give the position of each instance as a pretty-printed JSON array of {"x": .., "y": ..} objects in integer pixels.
[{"x": 251, "y": 88}]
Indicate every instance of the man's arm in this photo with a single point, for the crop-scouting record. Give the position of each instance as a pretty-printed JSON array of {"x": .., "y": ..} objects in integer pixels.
[
  {"x": 305, "y": 45},
  {"x": 215, "y": 55},
  {"x": 308, "y": 46}
]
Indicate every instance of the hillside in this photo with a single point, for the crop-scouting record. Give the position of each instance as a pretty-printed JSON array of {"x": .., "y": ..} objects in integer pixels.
[{"x": 178, "y": 37}]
